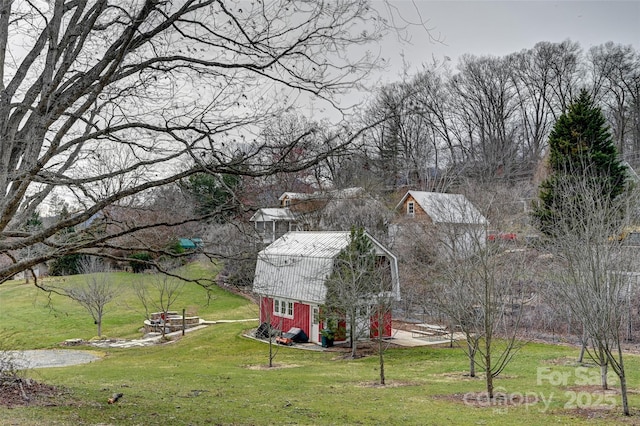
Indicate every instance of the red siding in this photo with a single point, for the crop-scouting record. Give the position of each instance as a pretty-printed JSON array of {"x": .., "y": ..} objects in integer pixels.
[
  {"x": 302, "y": 319},
  {"x": 386, "y": 325},
  {"x": 301, "y": 316}
]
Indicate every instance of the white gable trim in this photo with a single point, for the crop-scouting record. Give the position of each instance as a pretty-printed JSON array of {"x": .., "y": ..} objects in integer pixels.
[{"x": 297, "y": 265}]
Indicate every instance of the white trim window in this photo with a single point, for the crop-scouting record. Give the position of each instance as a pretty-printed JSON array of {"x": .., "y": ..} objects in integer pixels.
[
  {"x": 282, "y": 308},
  {"x": 411, "y": 208}
]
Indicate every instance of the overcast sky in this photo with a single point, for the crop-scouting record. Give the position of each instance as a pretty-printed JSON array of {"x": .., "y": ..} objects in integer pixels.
[{"x": 498, "y": 28}]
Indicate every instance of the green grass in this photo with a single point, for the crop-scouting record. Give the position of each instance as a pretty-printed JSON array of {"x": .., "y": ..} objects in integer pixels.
[
  {"x": 40, "y": 320},
  {"x": 216, "y": 376}
]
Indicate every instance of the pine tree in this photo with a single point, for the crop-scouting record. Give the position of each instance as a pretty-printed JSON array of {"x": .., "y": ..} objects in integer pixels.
[
  {"x": 580, "y": 147},
  {"x": 352, "y": 282}
]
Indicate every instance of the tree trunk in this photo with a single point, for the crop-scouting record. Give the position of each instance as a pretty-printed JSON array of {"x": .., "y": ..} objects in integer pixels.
[
  {"x": 99, "y": 323},
  {"x": 583, "y": 346},
  {"x": 271, "y": 355},
  {"x": 472, "y": 359},
  {"x": 623, "y": 383},
  {"x": 489, "y": 385},
  {"x": 603, "y": 361},
  {"x": 603, "y": 375},
  {"x": 623, "y": 393},
  {"x": 381, "y": 358},
  {"x": 352, "y": 337},
  {"x": 487, "y": 360}
]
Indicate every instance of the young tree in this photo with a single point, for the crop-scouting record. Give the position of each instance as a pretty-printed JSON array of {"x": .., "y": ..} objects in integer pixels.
[
  {"x": 97, "y": 290},
  {"x": 356, "y": 286},
  {"x": 103, "y": 101},
  {"x": 580, "y": 145},
  {"x": 483, "y": 295},
  {"x": 160, "y": 296},
  {"x": 593, "y": 268},
  {"x": 271, "y": 326},
  {"x": 381, "y": 309},
  {"x": 584, "y": 205},
  {"x": 479, "y": 286}
]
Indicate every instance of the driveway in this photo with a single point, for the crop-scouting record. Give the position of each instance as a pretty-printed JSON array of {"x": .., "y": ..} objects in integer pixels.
[{"x": 46, "y": 358}]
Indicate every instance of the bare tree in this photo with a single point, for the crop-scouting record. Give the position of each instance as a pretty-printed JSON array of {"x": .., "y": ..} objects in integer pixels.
[
  {"x": 270, "y": 327},
  {"x": 534, "y": 74},
  {"x": 484, "y": 296},
  {"x": 479, "y": 286},
  {"x": 593, "y": 268},
  {"x": 102, "y": 101},
  {"x": 95, "y": 293},
  {"x": 159, "y": 296},
  {"x": 381, "y": 312},
  {"x": 359, "y": 287},
  {"x": 412, "y": 142},
  {"x": 616, "y": 81}
]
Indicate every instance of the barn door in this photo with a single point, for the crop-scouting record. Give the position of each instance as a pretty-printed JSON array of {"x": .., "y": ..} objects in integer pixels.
[
  {"x": 363, "y": 322},
  {"x": 315, "y": 324}
]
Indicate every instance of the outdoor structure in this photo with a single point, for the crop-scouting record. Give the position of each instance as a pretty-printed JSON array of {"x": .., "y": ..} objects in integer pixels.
[
  {"x": 290, "y": 280},
  {"x": 300, "y": 211},
  {"x": 318, "y": 199},
  {"x": 452, "y": 215},
  {"x": 191, "y": 243},
  {"x": 170, "y": 321},
  {"x": 273, "y": 223},
  {"x": 40, "y": 270}
]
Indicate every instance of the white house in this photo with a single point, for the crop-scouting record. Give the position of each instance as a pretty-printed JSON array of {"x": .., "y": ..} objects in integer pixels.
[
  {"x": 459, "y": 225},
  {"x": 273, "y": 223}
]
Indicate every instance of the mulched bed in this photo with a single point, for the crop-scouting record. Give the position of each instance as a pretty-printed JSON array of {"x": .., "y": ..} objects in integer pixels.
[{"x": 20, "y": 392}]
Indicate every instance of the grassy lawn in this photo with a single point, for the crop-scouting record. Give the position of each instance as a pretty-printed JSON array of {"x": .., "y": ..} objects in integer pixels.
[{"x": 216, "y": 376}]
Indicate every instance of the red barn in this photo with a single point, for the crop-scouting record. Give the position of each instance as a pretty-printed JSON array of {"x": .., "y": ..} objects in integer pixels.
[{"x": 290, "y": 280}]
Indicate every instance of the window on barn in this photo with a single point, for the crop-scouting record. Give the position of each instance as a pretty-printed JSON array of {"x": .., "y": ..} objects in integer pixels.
[
  {"x": 283, "y": 308},
  {"x": 411, "y": 208}
]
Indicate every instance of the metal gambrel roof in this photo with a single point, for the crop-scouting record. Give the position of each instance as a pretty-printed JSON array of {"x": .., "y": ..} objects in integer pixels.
[
  {"x": 297, "y": 265},
  {"x": 309, "y": 244}
]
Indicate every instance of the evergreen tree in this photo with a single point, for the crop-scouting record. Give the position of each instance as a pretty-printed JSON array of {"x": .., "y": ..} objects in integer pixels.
[
  {"x": 352, "y": 282},
  {"x": 580, "y": 147},
  {"x": 214, "y": 194}
]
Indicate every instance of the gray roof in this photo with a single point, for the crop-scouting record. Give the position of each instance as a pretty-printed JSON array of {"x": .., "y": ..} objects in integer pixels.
[
  {"x": 309, "y": 244},
  {"x": 446, "y": 208},
  {"x": 345, "y": 193},
  {"x": 272, "y": 214},
  {"x": 297, "y": 265}
]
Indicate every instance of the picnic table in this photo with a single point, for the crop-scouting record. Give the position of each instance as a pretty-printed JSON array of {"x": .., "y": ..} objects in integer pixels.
[{"x": 424, "y": 330}]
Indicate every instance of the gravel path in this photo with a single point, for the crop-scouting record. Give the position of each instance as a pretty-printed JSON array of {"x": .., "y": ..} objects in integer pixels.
[{"x": 46, "y": 358}]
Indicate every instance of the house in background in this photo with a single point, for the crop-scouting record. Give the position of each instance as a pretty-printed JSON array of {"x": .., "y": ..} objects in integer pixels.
[
  {"x": 290, "y": 279},
  {"x": 459, "y": 225},
  {"x": 40, "y": 270},
  {"x": 273, "y": 223},
  {"x": 300, "y": 211},
  {"x": 318, "y": 199}
]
